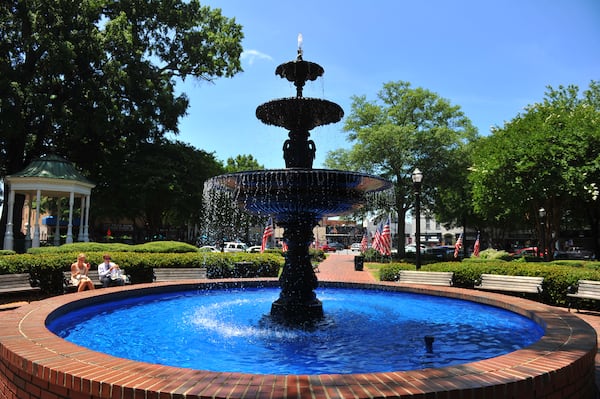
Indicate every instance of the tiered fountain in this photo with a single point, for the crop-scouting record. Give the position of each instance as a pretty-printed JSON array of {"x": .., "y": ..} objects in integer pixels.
[{"x": 298, "y": 197}]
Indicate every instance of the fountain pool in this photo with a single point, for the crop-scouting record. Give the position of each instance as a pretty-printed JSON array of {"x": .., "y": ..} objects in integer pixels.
[
  {"x": 227, "y": 323},
  {"x": 35, "y": 363}
]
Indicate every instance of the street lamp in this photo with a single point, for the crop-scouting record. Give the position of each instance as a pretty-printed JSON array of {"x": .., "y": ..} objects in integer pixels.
[
  {"x": 542, "y": 213},
  {"x": 417, "y": 178}
]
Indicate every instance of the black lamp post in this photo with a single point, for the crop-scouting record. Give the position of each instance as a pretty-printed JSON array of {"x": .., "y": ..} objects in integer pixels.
[
  {"x": 417, "y": 178},
  {"x": 542, "y": 214}
]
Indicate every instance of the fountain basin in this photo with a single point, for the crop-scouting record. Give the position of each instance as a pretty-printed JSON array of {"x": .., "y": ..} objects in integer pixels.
[
  {"x": 303, "y": 113},
  {"x": 36, "y": 361},
  {"x": 286, "y": 192}
]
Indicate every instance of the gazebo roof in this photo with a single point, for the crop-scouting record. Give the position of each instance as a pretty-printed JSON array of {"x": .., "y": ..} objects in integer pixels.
[
  {"x": 53, "y": 167},
  {"x": 50, "y": 173}
]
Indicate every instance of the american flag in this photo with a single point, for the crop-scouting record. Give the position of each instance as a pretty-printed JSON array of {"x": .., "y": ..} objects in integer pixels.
[
  {"x": 457, "y": 246},
  {"x": 476, "y": 247},
  {"x": 284, "y": 246},
  {"x": 386, "y": 239},
  {"x": 266, "y": 235},
  {"x": 364, "y": 243},
  {"x": 377, "y": 237},
  {"x": 383, "y": 240}
]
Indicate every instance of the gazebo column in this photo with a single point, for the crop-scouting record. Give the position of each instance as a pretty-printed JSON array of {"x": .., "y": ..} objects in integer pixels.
[
  {"x": 81, "y": 218},
  {"x": 70, "y": 225},
  {"x": 9, "y": 238},
  {"x": 28, "y": 223},
  {"x": 57, "y": 227},
  {"x": 86, "y": 236},
  {"x": 36, "y": 227}
]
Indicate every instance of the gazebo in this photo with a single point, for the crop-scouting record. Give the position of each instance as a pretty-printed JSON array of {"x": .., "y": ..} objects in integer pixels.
[{"x": 48, "y": 176}]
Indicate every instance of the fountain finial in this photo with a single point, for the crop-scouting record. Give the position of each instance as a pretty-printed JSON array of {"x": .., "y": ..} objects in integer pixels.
[{"x": 299, "y": 58}]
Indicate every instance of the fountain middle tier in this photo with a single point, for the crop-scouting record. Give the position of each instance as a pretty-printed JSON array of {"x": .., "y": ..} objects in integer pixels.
[
  {"x": 287, "y": 193},
  {"x": 299, "y": 113}
]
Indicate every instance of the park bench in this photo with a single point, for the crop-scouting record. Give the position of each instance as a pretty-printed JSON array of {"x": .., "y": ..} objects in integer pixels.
[
  {"x": 17, "y": 284},
  {"x": 429, "y": 278},
  {"x": 518, "y": 284},
  {"x": 92, "y": 274},
  {"x": 176, "y": 273},
  {"x": 585, "y": 289}
]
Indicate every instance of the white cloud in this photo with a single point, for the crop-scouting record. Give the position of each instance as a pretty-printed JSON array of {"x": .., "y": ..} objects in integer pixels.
[{"x": 253, "y": 55}]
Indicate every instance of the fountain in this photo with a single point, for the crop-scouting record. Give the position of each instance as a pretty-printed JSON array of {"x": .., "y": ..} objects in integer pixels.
[
  {"x": 298, "y": 197},
  {"x": 36, "y": 363}
]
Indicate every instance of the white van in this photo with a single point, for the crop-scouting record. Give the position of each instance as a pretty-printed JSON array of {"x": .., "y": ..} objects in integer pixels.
[{"x": 234, "y": 247}]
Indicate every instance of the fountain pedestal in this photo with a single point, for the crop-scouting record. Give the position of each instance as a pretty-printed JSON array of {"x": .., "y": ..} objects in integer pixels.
[{"x": 297, "y": 301}]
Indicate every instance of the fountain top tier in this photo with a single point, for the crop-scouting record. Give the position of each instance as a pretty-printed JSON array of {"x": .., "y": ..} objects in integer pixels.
[{"x": 298, "y": 113}]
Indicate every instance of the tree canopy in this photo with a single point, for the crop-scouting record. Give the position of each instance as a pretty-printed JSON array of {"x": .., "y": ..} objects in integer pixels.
[
  {"x": 404, "y": 129},
  {"x": 547, "y": 157},
  {"x": 94, "y": 80}
]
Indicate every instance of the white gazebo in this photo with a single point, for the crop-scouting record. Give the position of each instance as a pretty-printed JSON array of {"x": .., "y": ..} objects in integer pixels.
[{"x": 48, "y": 176}]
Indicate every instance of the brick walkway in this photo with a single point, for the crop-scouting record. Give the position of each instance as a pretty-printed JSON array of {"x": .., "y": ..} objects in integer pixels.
[{"x": 340, "y": 267}]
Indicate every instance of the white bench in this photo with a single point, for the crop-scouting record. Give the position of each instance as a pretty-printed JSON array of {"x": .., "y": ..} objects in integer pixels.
[
  {"x": 177, "y": 273},
  {"x": 585, "y": 289},
  {"x": 520, "y": 284},
  {"x": 429, "y": 278}
]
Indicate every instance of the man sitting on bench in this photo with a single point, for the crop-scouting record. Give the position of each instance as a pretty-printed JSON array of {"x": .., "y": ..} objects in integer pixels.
[{"x": 110, "y": 273}]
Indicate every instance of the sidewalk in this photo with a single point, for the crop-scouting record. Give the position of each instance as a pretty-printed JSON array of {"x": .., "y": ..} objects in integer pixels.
[{"x": 340, "y": 267}]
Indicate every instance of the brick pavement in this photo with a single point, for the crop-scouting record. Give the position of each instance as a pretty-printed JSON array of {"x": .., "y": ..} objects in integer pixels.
[{"x": 340, "y": 267}]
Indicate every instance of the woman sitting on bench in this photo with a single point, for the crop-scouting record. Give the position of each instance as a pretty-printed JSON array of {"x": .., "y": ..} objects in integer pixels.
[{"x": 79, "y": 274}]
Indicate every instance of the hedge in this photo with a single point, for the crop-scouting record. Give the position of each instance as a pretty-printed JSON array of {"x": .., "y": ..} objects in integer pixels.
[
  {"x": 47, "y": 268},
  {"x": 558, "y": 275}
]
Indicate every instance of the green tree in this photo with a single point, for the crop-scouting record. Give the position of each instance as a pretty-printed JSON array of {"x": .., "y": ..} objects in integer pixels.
[
  {"x": 403, "y": 129},
  {"x": 94, "y": 80},
  {"x": 242, "y": 163},
  {"x": 547, "y": 157},
  {"x": 162, "y": 185},
  {"x": 224, "y": 219}
]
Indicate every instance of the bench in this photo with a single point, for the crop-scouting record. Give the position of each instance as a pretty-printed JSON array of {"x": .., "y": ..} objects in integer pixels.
[
  {"x": 429, "y": 278},
  {"x": 176, "y": 273},
  {"x": 519, "y": 284},
  {"x": 18, "y": 284},
  {"x": 585, "y": 289},
  {"x": 92, "y": 274}
]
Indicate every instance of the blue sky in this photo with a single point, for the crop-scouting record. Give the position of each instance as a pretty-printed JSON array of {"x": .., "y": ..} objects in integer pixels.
[{"x": 492, "y": 58}]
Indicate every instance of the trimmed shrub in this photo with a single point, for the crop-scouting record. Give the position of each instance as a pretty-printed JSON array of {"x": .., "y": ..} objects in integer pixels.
[{"x": 558, "y": 276}]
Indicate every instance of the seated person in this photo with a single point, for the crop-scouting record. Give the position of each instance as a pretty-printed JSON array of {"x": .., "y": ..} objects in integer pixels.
[
  {"x": 110, "y": 273},
  {"x": 79, "y": 274}
]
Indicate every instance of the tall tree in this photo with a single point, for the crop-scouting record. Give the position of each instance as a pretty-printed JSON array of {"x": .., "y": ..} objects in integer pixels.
[
  {"x": 162, "y": 184},
  {"x": 404, "y": 129},
  {"x": 547, "y": 157},
  {"x": 242, "y": 163},
  {"x": 93, "y": 80},
  {"x": 224, "y": 220}
]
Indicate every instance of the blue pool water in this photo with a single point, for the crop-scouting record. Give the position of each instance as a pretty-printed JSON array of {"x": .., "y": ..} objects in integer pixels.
[{"x": 363, "y": 331}]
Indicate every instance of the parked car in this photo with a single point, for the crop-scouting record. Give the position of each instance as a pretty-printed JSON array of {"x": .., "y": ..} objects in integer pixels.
[
  {"x": 355, "y": 246},
  {"x": 442, "y": 252},
  {"x": 527, "y": 251},
  {"x": 574, "y": 253},
  {"x": 332, "y": 247},
  {"x": 412, "y": 248},
  {"x": 254, "y": 248},
  {"x": 208, "y": 248},
  {"x": 234, "y": 247}
]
